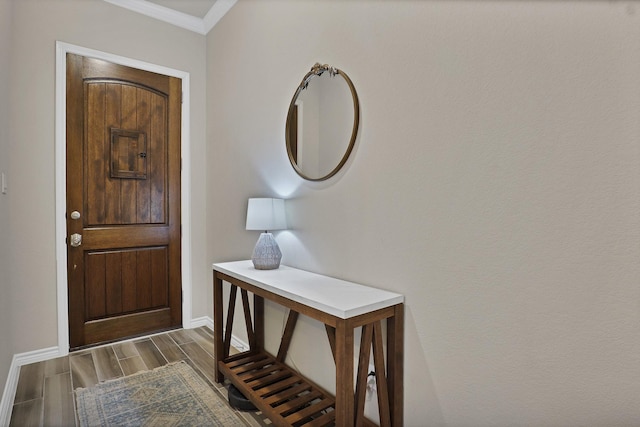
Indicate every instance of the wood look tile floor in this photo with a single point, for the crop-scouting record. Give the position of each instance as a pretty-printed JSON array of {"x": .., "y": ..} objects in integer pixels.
[{"x": 44, "y": 395}]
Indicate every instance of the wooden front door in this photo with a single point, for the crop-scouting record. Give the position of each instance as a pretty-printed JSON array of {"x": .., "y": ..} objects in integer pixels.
[{"x": 123, "y": 201}]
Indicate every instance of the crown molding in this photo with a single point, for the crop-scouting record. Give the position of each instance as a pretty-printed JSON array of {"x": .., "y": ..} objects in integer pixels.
[
  {"x": 180, "y": 19},
  {"x": 215, "y": 14}
]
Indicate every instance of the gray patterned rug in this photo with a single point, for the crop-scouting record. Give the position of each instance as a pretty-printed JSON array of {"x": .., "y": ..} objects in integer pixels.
[{"x": 172, "y": 395}]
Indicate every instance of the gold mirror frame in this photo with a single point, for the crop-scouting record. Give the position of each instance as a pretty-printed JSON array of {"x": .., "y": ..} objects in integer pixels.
[{"x": 318, "y": 70}]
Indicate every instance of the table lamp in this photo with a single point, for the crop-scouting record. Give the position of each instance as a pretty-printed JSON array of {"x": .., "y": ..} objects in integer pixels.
[{"x": 266, "y": 214}]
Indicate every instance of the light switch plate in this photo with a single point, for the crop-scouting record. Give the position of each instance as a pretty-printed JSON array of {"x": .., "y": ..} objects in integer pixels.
[{"x": 4, "y": 183}]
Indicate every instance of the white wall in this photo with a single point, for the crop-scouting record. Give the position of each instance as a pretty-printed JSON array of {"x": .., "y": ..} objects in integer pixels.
[
  {"x": 495, "y": 183},
  {"x": 5, "y": 244},
  {"x": 97, "y": 25}
]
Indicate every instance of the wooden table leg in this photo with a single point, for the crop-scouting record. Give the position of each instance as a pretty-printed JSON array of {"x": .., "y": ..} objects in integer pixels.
[
  {"x": 345, "y": 411},
  {"x": 217, "y": 326},
  {"x": 258, "y": 321},
  {"x": 395, "y": 365}
]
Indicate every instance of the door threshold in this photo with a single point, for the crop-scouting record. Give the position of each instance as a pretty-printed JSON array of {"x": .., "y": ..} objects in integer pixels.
[{"x": 125, "y": 339}]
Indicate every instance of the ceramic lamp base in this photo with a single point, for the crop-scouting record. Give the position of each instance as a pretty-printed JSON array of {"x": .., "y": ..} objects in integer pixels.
[{"x": 266, "y": 254}]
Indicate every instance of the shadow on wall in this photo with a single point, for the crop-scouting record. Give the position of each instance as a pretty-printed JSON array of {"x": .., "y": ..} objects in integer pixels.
[{"x": 426, "y": 401}]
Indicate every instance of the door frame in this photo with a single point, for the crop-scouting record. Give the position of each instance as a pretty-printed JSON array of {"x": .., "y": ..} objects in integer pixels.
[{"x": 62, "y": 49}]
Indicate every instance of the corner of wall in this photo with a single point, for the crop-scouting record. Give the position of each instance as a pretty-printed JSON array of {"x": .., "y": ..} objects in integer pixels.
[
  {"x": 9, "y": 393},
  {"x": 208, "y": 322}
]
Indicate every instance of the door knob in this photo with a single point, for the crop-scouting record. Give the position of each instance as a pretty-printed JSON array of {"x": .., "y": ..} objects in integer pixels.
[{"x": 76, "y": 240}]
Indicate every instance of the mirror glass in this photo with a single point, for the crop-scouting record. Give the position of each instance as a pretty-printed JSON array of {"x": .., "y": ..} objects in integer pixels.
[{"x": 322, "y": 123}]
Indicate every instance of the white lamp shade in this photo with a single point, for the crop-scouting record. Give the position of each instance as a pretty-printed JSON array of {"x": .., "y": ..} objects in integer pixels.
[{"x": 266, "y": 214}]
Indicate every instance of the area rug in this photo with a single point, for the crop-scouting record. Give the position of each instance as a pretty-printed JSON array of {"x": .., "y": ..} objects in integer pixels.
[{"x": 172, "y": 395}]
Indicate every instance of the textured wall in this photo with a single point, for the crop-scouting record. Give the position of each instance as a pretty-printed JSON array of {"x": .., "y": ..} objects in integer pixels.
[
  {"x": 496, "y": 184},
  {"x": 5, "y": 244}
]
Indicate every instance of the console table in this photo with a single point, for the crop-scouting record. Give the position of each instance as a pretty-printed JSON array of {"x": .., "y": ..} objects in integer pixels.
[{"x": 282, "y": 394}]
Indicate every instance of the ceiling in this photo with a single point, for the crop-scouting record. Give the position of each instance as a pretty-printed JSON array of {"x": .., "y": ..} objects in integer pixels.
[
  {"x": 197, "y": 8},
  {"x": 199, "y": 16}
]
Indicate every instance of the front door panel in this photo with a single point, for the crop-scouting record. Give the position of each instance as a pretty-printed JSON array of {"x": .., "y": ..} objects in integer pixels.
[{"x": 123, "y": 179}]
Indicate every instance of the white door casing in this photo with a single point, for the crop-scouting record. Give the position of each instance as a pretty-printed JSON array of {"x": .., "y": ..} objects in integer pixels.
[{"x": 62, "y": 49}]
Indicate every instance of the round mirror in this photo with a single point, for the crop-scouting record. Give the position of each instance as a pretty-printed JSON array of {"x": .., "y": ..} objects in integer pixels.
[{"x": 322, "y": 123}]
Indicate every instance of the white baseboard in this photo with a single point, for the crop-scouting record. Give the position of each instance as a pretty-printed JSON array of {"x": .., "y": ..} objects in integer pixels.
[
  {"x": 10, "y": 386},
  {"x": 9, "y": 393},
  {"x": 208, "y": 322},
  {"x": 202, "y": 321},
  {"x": 239, "y": 344}
]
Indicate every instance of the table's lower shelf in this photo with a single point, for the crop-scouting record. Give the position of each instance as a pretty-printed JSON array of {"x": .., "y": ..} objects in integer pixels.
[{"x": 280, "y": 393}]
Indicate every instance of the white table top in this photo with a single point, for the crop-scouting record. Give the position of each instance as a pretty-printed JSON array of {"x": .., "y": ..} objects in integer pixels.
[{"x": 333, "y": 296}]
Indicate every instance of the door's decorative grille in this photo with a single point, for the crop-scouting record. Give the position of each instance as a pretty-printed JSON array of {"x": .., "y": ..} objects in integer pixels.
[{"x": 128, "y": 154}]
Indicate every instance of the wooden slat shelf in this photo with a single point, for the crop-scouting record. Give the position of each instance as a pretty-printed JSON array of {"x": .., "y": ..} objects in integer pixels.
[
  {"x": 285, "y": 396},
  {"x": 279, "y": 392}
]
